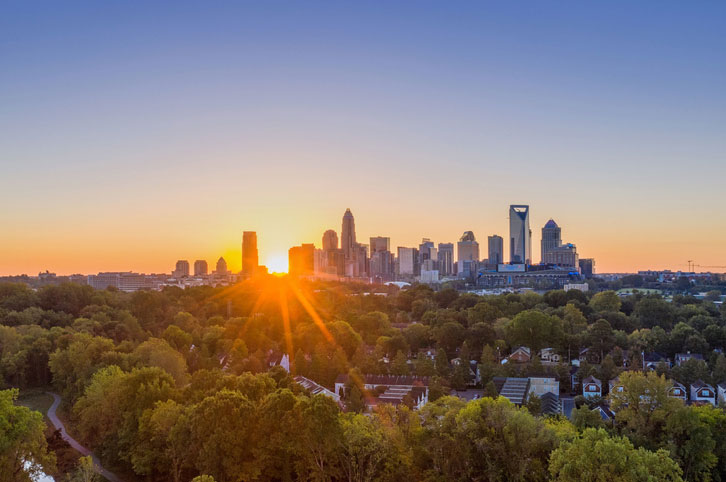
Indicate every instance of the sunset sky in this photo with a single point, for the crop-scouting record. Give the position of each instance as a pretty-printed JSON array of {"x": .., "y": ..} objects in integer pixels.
[{"x": 133, "y": 134}]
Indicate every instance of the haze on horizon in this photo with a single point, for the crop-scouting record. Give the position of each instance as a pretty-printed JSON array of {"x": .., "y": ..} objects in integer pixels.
[{"x": 133, "y": 137}]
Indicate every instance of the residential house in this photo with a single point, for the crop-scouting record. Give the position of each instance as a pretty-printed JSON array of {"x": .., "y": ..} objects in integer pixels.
[
  {"x": 677, "y": 390},
  {"x": 315, "y": 388},
  {"x": 591, "y": 387},
  {"x": 702, "y": 392},
  {"x": 605, "y": 413},
  {"x": 521, "y": 355},
  {"x": 721, "y": 392},
  {"x": 614, "y": 384},
  {"x": 684, "y": 357},
  {"x": 549, "y": 355},
  {"x": 651, "y": 361}
]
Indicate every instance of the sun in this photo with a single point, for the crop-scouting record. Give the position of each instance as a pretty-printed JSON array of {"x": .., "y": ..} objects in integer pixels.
[{"x": 276, "y": 263}]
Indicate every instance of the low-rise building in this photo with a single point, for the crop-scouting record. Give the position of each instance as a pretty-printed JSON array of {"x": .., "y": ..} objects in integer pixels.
[
  {"x": 591, "y": 387},
  {"x": 702, "y": 392}
]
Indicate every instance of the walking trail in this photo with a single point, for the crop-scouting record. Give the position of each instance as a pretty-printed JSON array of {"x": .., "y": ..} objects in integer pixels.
[{"x": 80, "y": 448}]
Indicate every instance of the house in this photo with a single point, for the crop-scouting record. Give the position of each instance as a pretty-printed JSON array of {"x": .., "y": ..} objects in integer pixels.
[
  {"x": 473, "y": 370},
  {"x": 721, "y": 393},
  {"x": 702, "y": 392},
  {"x": 516, "y": 390},
  {"x": 591, "y": 387},
  {"x": 542, "y": 385},
  {"x": 520, "y": 355},
  {"x": 315, "y": 388},
  {"x": 677, "y": 390},
  {"x": 390, "y": 389},
  {"x": 551, "y": 404},
  {"x": 589, "y": 355},
  {"x": 605, "y": 413},
  {"x": 548, "y": 355},
  {"x": 278, "y": 359},
  {"x": 684, "y": 357},
  {"x": 614, "y": 384},
  {"x": 651, "y": 360}
]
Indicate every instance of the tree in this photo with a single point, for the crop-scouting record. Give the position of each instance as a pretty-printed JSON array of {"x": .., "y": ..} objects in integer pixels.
[
  {"x": 601, "y": 337},
  {"x": 654, "y": 311},
  {"x": 321, "y": 439},
  {"x": 85, "y": 472},
  {"x": 535, "y": 330},
  {"x": 23, "y": 448},
  {"x": 605, "y": 301},
  {"x": 442, "y": 363},
  {"x": 597, "y": 457},
  {"x": 643, "y": 405},
  {"x": 363, "y": 448},
  {"x": 400, "y": 364},
  {"x": 584, "y": 417}
]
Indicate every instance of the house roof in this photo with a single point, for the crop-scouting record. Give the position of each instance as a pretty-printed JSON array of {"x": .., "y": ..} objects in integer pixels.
[
  {"x": 653, "y": 357},
  {"x": 591, "y": 379},
  {"x": 687, "y": 356},
  {"x": 605, "y": 413},
  {"x": 371, "y": 379},
  {"x": 551, "y": 404},
  {"x": 700, "y": 384}
]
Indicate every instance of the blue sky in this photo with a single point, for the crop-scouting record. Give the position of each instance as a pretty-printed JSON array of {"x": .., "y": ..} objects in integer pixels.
[{"x": 134, "y": 134}]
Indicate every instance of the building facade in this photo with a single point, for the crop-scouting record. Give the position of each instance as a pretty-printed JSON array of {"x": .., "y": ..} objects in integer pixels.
[
  {"x": 496, "y": 250},
  {"x": 520, "y": 234},
  {"x": 446, "y": 259},
  {"x": 250, "y": 256}
]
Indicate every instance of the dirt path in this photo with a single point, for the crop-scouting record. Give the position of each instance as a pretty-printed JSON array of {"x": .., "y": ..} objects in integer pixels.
[{"x": 80, "y": 448}]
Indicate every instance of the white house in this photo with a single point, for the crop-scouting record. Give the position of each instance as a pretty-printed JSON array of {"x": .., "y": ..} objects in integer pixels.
[
  {"x": 591, "y": 387},
  {"x": 702, "y": 392}
]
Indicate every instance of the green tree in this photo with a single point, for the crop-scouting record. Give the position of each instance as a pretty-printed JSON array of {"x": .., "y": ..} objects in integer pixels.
[
  {"x": 85, "y": 472},
  {"x": 399, "y": 366},
  {"x": 605, "y": 301},
  {"x": 535, "y": 330},
  {"x": 364, "y": 448},
  {"x": 23, "y": 448},
  {"x": 597, "y": 457}
]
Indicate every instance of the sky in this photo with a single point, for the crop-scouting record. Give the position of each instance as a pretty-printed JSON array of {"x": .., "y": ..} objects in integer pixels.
[{"x": 133, "y": 134}]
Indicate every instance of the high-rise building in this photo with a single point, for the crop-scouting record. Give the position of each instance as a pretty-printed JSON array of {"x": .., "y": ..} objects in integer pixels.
[
  {"x": 380, "y": 243},
  {"x": 330, "y": 240},
  {"x": 182, "y": 269},
  {"x": 301, "y": 260},
  {"x": 563, "y": 255},
  {"x": 587, "y": 267},
  {"x": 446, "y": 259},
  {"x": 250, "y": 256},
  {"x": 520, "y": 235},
  {"x": 200, "y": 268},
  {"x": 467, "y": 260},
  {"x": 551, "y": 238},
  {"x": 406, "y": 262},
  {"x": 348, "y": 235},
  {"x": 221, "y": 267},
  {"x": 427, "y": 254},
  {"x": 496, "y": 250}
]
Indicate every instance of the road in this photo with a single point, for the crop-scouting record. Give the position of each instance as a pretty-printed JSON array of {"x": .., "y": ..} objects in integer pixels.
[{"x": 80, "y": 448}]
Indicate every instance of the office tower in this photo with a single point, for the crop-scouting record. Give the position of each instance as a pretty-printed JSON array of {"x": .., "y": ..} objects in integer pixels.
[
  {"x": 348, "y": 235},
  {"x": 330, "y": 240},
  {"x": 520, "y": 235},
  {"x": 496, "y": 250},
  {"x": 427, "y": 255},
  {"x": 301, "y": 260},
  {"x": 563, "y": 255},
  {"x": 361, "y": 260},
  {"x": 467, "y": 261},
  {"x": 200, "y": 268},
  {"x": 250, "y": 256},
  {"x": 380, "y": 243},
  {"x": 551, "y": 238},
  {"x": 446, "y": 259},
  {"x": 221, "y": 267},
  {"x": 587, "y": 267},
  {"x": 182, "y": 269},
  {"x": 406, "y": 262}
]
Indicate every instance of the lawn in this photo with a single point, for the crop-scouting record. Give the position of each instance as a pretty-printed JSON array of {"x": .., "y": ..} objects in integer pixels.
[{"x": 35, "y": 399}]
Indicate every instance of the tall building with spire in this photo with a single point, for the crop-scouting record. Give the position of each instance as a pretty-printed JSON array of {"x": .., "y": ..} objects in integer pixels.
[
  {"x": 250, "y": 256},
  {"x": 520, "y": 234},
  {"x": 551, "y": 239},
  {"x": 221, "y": 267},
  {"x": 347, "y": 235}
]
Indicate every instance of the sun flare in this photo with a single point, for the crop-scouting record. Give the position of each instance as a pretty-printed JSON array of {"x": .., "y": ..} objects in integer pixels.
[{"x": 277, "y": 263}]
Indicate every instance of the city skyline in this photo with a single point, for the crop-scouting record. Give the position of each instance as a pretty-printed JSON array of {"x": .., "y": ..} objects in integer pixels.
[{"x": 132, "y": 138}]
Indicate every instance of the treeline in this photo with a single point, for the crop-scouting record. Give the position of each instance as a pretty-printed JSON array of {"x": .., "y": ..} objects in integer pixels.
[{"x": 177, "y": 383}]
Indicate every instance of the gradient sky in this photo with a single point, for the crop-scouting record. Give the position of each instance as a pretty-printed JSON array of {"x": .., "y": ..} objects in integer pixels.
[{"x": 133, "y": 134}]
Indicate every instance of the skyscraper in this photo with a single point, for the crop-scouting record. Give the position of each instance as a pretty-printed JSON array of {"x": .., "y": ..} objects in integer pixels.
[
  {"x": 330, "y": 240},
  {"x": 496, "y": 250},
  {"x": 551, "y": 238},
  {"x": 380, "y": 243},
  {"x": 406, "y": 262},
  {"x": 446, "y": 259},
  {"x": 200, "y": 268},
  {"x": 301, "y": 260},
  {"x": 221, "y": 267},
  {"x": 381, "y": 265},
  {"x": 587, "y": 267},
  {"x": 348, "y": 235},
  {"x": 250, "y": 257},
  {"x": 520, "y": 235},
  {"x": 467, "y": 261},
  {"x": 427, "y": 253},
  {"x": 182, "y": 269}
]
